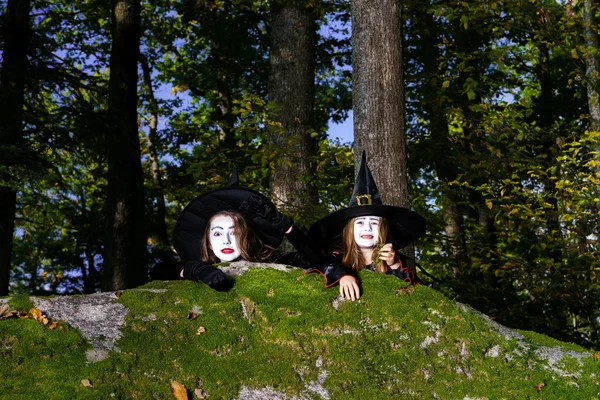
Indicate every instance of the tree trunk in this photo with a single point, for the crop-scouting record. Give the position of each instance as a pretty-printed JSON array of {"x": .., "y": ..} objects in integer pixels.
[
  {"x": 443, "y": 150},
  {"x": 159, "y": 196},
  {"x": 378, "y": 99},
  {"x": 467, "y": 42},
  {"x": 92, "y": 275},
  {"x": 378, "y": 96},
  {"x": 84, "y": 272},
  {"x": 125, "y": 251},
  {"x": 591, "y": 62},
  {"x": 12, "y": 97},
  {"x": 291, "y": 89},
  {"x": 545, "y": 114},
  {"x": 592, "y": 73}
]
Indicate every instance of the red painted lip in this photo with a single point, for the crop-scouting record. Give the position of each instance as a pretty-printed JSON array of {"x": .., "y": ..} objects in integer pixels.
[
  {"x": 367, "y": 236},
  {"x": 227, "y": 251}
]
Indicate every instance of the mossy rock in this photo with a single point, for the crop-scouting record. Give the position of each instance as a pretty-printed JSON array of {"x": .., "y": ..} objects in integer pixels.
[{"x": 280, "y": 335}]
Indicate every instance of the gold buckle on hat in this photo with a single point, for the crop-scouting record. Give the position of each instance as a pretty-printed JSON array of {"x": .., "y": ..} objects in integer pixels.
[{"x": 367, "y": 197}]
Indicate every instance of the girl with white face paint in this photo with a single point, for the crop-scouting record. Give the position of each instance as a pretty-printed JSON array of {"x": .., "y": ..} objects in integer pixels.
[
  {"x": 366, "y": 231},
  {"x": 228, "y": 225},
  {"x": 366, "y": 234},
  {"x": 361, "y": 237},
  {"x": 229, "y": 238},
  {"x": 211, "y": 230},
  {"x": 221, "y": 238}
]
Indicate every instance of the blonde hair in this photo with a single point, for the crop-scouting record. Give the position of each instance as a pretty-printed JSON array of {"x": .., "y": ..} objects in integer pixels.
[
  {"x": 251, "y": 248},
  {"x": 352, "y": 256}
]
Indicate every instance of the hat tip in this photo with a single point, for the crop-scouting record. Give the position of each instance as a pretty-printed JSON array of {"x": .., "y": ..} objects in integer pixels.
[{"x": 234, "y": 180}]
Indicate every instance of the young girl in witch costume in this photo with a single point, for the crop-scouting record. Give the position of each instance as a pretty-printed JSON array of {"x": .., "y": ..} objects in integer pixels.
[
  {"x": 231, "y": 224},
  {"x": 367, "y": 234}
]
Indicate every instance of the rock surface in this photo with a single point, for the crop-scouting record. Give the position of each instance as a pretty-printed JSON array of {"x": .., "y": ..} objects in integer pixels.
[{"x": 279, "y": 334}]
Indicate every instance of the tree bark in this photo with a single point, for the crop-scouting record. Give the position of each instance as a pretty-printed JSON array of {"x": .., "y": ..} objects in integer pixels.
[
  {"x": 291, "y": 89},
  {"x": 592, "y": 70},
  {"x": 125, "y": 251},
  {"x": 158, "y": 192},
  {"x": 12, "y": 98},
  {"x": 378, "y": 96},
  {"x": 378, "y": 99},
  {"x": 592, "y": 73}
]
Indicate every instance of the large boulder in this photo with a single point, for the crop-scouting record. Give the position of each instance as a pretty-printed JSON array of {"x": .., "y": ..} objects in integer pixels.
[{"x": 279, "y": 334}]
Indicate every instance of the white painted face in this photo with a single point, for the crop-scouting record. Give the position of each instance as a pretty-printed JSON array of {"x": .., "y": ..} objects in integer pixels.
[
  {"x": 366, "y": 231},
  {"x": 222, "y": 239}
]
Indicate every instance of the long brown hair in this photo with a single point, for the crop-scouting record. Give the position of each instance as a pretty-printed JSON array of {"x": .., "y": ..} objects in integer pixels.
[
  {"x": 251, "y": 248},
  {"x": 352, "y": 256}
]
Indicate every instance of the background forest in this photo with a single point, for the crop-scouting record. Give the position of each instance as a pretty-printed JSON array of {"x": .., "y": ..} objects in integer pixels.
[{"x": 501, "y": 125}]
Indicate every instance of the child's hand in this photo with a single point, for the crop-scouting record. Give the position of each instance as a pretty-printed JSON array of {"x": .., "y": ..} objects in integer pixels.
[
  {"x": 388, "y": 255},
  {"x": 349, "y": 288}
]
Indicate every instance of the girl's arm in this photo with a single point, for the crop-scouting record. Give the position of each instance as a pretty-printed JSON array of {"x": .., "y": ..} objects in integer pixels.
[
  {"x": 403, "y": 272},
  {"x": 308, "y": 252},
  {"x": 192, "y": 270}
]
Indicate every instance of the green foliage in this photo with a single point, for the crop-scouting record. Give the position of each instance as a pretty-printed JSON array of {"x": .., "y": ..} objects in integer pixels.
[
  {"x": 285, "y": 331},
  {"x": 498, "y": 96}
]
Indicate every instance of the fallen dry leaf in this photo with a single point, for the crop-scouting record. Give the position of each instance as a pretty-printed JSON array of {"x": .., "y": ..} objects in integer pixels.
[
  {"x": 199, "y": 394},
  {"x": 86, "y": 383},
  {"x": 38, "y": 316},
  {"x": 192, "y": 316},
  {"x": 52, "y": 325},
  {"x": 597, "y": 355},
  {"x": 6, "y": 315},
  {"x": 200, "y": 330},
  {"x": 118, "y": 294},
  {"x": 6, "y": 312},
  {"x": 179, "y": 391},
  {"x": 405, "y": 290},
  {"x": 539, "y": 386}
]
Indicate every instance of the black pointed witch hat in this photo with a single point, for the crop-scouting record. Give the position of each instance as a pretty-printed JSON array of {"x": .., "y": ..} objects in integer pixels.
[
  {"x": 191, "y": 224},
  {"x": 405, "y": 225}
]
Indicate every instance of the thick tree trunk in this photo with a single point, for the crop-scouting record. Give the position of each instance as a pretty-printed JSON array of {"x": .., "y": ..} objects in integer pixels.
[
  {"x": 291, "y": 89},
  {"x": 8, "y": 202},
  {"x": 378, "y": 96},
  {"x": 158, "y": 192},
  {"x": 592, "y": 63},
  {"x": 12, "y": 97},
  {"x": 125, "y": 251}
]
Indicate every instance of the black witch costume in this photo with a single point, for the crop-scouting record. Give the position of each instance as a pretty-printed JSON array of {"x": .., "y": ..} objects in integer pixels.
[
  {"x": 405, "y": 226},
  {"x": 266, "y": 223}
]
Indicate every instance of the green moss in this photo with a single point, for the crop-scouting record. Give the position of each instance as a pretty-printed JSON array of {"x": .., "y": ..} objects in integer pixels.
[
  {"x": 20, "y": 302},
  {"x": 38, "y": 362},
  {"x": 543, "y": 340},
  {"x": 284, "y": 330}
]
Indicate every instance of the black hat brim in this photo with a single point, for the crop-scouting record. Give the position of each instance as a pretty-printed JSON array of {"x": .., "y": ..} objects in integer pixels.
[
  {"x": 406, "y": 226},
  {"x": 191, "y": 224}
]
